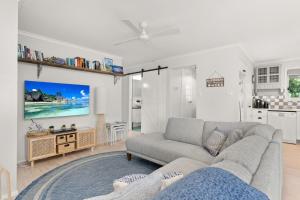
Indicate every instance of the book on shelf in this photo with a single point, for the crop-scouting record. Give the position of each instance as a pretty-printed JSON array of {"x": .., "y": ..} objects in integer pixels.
[{"x": 26, "y": 53}]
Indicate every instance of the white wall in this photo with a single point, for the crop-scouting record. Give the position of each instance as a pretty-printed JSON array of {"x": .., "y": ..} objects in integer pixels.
[
  {"x": 8, "y": 80},
  {"x": 214, "y": 103},
  {"x": 50, "y": 74}
]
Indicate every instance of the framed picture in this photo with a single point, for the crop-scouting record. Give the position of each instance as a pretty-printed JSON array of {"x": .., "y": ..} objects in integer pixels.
[
  {"x": 108, "y": 61},
  {"x": 215, "y": 82}
]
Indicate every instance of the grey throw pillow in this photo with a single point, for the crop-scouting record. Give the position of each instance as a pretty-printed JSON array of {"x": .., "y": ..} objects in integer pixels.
[
  {"x": 234, "y": 136},
  {"x": 214, "y": 142}
]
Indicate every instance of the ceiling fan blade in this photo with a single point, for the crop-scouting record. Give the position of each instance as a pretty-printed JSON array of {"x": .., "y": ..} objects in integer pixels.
[
  {"x": 171, "y": 31},
  {"x": 131, "y": 26},
  {"x": 126, "y": 41}
]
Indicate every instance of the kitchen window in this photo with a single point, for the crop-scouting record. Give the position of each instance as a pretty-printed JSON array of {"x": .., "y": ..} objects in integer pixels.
[{"x": 294, "y": 86}]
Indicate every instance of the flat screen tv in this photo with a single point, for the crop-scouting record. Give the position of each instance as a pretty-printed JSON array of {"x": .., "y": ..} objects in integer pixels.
[{"x": 45, "y": 99}]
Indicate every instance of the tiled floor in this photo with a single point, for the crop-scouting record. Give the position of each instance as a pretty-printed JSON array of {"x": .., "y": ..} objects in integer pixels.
[{"x": 291, "y": 157}]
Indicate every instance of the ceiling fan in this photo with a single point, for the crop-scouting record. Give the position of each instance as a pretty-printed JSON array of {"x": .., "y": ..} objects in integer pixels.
[{"x": 143, "y": 34}]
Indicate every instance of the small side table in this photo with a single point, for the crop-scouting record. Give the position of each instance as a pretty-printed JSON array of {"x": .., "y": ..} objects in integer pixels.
[{"x": 114, "y": 129}]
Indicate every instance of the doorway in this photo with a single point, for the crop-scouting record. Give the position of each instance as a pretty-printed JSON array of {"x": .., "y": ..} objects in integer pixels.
[
  {"x": 182, "y": 92},
  {"x": 136, "y": 104}
]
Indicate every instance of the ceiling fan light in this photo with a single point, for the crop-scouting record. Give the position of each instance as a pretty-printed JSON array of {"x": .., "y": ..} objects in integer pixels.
[{"x": 144, "y": 36}]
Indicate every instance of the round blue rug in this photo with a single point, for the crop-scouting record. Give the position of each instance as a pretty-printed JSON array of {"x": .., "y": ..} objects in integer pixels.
[{"x": 84, "y": 178}]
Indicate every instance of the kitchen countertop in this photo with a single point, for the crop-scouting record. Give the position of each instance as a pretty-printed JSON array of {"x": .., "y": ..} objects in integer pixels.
[{"x": 279, "y": 110}]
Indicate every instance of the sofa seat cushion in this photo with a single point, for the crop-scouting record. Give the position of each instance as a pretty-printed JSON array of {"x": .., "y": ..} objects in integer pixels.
[
  {"x": 236, "y": 169},
  {"x": 187, "y": 130},
  {"x": 246, "y": 152},
  {"x": 166, "y": 150},
  {"x": 183, "y": 164}
]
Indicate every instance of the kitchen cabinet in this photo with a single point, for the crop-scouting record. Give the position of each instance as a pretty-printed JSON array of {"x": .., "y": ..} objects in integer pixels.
[
  {"x": 287, "y": 122},
  {"x": 268, "y": 77},
  {"x": 298, "y": 125},
  {"x": 258, "y": 115}
]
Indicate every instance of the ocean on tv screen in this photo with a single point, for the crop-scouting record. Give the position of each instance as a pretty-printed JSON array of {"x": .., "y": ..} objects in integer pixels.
[{"x": 45, "y": 99}]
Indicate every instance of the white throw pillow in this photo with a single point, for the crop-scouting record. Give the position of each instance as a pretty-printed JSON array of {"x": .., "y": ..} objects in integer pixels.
[
  {"x": 170, "y": 178},
  {"x": 121, "y": 183},
  {"x": 143, "y": 189}
]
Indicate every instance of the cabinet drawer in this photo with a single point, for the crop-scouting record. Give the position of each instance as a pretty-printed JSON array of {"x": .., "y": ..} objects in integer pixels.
[
  {"x": 64, "y": 148},
  {"x": 260, "y": 113},
  {"x": 71, "y": 138},
  {"x": 61, "y": 139},
  {"x": 261, "y": 119}
]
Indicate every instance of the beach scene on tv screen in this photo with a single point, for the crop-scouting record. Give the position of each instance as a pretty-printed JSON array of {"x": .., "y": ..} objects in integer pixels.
[{"x": 45, "y": 99}]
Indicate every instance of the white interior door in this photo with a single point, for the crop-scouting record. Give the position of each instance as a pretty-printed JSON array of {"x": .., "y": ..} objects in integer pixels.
[{"x": 153, "y": 112}]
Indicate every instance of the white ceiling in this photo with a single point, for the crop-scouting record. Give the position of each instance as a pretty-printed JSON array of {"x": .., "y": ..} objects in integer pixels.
[{"x": 267, "y": 29}]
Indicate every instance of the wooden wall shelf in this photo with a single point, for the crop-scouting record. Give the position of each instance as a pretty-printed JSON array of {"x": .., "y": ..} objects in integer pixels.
[{"x": 39, "y": 63}]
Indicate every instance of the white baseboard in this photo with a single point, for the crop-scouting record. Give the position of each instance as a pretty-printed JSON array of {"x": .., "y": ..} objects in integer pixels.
[{"x": 14, "y": 194}]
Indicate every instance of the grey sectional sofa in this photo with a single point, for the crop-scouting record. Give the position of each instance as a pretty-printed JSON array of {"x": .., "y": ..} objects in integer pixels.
[{"x": 256, "y": 158}]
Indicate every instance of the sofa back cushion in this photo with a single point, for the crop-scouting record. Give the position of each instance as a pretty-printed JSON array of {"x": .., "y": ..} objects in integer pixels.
[
  {"x": 225, "y": 127},
  {"x": 264, "y": 130},
  {"x": 246, "y": 152},
  {"x": 187, "y": 130}
]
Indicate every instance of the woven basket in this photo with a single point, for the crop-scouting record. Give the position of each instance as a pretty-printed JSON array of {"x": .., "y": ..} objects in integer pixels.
[{"x": 37, "y": 133}]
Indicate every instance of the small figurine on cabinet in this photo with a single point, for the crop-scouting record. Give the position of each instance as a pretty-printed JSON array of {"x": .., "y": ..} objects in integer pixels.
[
  {"x": 63, "y": 127},
  {"x": 51, "y": 129},
  {"x": 73, "y": 126}
]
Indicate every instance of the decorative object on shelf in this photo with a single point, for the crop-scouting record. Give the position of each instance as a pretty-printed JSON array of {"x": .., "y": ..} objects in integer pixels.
[
  {"x": 26, "y": 53},
  {"x": 215, "y": 80},
  {"x": 63, "y": 127},
  {"x": 51, "y": 129},
  {"x": 117, "y": 69},
  {"x": 34, "y": 126},
  {"x": 108, "y": 62},
  {"x": 55, "y": 60},
  {"x": 97, "y": 65},
  {"x": 73, "y": 126},
  {"x": 36, "y": 129}
]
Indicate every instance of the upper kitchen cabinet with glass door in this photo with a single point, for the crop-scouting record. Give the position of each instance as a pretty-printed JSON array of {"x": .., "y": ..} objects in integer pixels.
[{"x": 268, "y": 77}]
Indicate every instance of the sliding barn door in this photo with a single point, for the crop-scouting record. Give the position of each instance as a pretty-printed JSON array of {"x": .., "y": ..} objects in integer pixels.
[{"x": 154, "y": 96}]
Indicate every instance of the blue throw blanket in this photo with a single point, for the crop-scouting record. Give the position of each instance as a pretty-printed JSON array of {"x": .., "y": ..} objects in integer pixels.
[{"x": 211, "y": 184}]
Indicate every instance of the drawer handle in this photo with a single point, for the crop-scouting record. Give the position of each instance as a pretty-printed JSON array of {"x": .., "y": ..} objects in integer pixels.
[
  {"x": 259, "y": 111},
  {"x": 259, "y": 118},
  {"x": 61, "y": 137},
  {"x": 71, "y": 135},
  {"x": 66, "y": 145}
]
